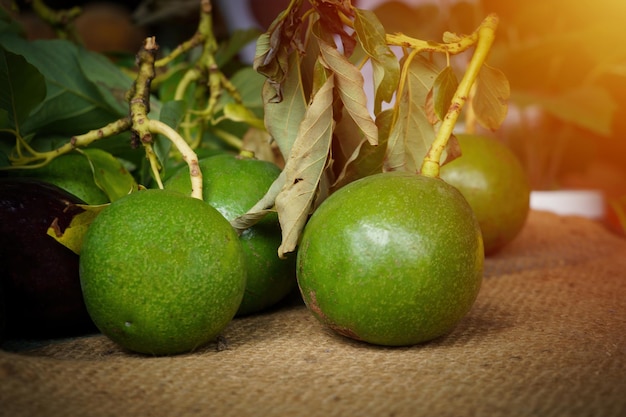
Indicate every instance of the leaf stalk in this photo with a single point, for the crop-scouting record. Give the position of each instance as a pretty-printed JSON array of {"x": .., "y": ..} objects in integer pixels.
[{"x": 485, "y": 37}]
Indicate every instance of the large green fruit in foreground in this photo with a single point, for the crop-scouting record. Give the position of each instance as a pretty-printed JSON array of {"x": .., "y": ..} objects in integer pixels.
[
  {"x": 38, "y": 275},
  {"x": 161, "y": 273},
  {"x": 493, "y": 181},
  {"x": 391, "y": 259},
  {"x": 233, "y": 184}
]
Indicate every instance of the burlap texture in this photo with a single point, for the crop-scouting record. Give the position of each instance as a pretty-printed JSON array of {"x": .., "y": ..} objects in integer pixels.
[{"x": 546, "y": 337}]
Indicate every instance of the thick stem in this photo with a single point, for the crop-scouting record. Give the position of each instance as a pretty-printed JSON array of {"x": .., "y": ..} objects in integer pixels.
[
  {"x": 60, "y": 20},
  {"x": 144, "y": 128},
  {"x": 154, "y": 164},
  {"x": 189, "y": 156},
  {"x": 462, "y": 44},
  {"x": 77, "y": 141},
  {"x": 140, "y": 93},
  {"x": 486, "y": 34},
  {"x": 206, "y": 8}
]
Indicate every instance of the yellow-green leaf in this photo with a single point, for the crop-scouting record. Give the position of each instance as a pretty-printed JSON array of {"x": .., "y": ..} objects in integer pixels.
[
  {"x": 109, "y": 173},
  {"x": 411, "y": 133},
  {"x": 72, "y": 235},
  {"x": 443, "y": 90},
  {"x": 490, "y": 102},
  {"x": 240, "y": 113}
]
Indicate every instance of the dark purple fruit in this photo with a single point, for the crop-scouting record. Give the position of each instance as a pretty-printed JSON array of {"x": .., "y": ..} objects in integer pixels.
[{"x": 39, "y": 276}]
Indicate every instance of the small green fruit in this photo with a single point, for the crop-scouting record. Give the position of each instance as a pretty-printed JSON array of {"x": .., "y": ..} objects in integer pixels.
[
  {"x": 493, "y": 181},
  {"x": 233, "y": 184},
  {"x": 391, "y": 259},
  {"x": 161, "y": 273}
]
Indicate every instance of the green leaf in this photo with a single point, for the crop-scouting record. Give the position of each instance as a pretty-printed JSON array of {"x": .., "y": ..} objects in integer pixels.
[
  {"x": 349, "y": 82},
  {"x": 23, "y": 89},
  {"x": 5, "y": 120},
  {"x": 590, "y": 107},
  {"x": 168, "y": 85},
  {"x": 74, "y": 102},
  {"x": 283, "y": 118},
  {"x": 385, "y": 65},
  {"x": 171, "y": 114},
  {"x": 239, "y": 113},
  {"x": 305, "y": 166},
  {"x": 9, "y": 25},
  {"x": 411, "y": 133},
  {"x": 107, "y": 78},
  {"x": 72, "y": 236},
  {"x": 443, "y": 90},
  {"x": 109, "y": 174},
  {"x": 248, "y": 83},
  {"x": 490, "y": 102}
]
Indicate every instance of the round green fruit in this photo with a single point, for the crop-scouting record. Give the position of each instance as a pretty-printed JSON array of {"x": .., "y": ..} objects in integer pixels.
[
  {"x": 391, "y": 259},
  {"x": 493, "y": 181},
  {"x": 233, "y": 184},
  {"x": 161, "y": 273}
]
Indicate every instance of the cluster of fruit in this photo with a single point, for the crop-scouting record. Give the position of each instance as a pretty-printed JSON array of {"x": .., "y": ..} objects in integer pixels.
[
  {"x": 159, "y": 272},
  {"x": 392, "y": 259}
]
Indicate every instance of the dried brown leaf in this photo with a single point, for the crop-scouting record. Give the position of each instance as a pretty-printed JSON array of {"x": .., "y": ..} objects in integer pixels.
[
  {"x": 385, "y": 65},
  {"x": 283, "y": 118},
  {"x": 490, "y": 102},
  {"x": 349, "y": 82},
  {"x": 305, "y": 166}
]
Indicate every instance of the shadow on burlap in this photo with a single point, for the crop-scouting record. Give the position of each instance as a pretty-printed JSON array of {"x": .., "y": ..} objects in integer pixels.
[{"x": 546, "y": 337}]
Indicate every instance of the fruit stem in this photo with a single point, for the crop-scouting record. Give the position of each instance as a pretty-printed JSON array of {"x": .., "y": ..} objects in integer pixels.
[
  {"x": 60, "y": 20},
  {"x": 198, "y": 38},
  {"x": 39, "y": 159},
  {"x": 143, "y": 127},
  {"x": 189, "y": 156},
  {"x": 486, "y": 35}
]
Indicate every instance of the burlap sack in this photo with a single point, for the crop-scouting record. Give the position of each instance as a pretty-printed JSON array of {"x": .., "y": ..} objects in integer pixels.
[{"x": 546, "y": 337}]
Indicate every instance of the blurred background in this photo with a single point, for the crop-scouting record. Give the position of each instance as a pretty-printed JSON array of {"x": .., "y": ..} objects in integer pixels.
[{"x": 565, "y": 60}]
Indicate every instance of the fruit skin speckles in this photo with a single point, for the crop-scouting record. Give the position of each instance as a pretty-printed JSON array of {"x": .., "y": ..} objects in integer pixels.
[
  {"x": 233, "y": 184},
  {"x": 163, "y": 289}
]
